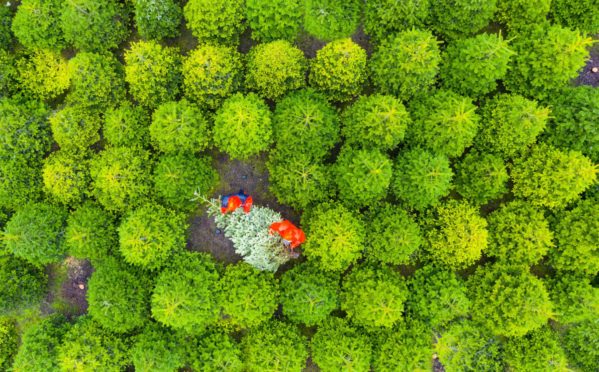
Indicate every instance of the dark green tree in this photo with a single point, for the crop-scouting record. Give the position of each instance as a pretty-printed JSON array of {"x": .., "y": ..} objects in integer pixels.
[
  {"x": 272, "y": 20},
  {"x": 91, "y": 233},
  {"x": 215, "y": 21},
  {"x": 388, "y": 17},
  {"x": 214, "y": 352},
  {"x": 157, "y": 19},
  {"x": 329, "y": 19},
  {"x": 455, "y": 19},
  {"x": 157, "y": 349},
  {"x": 539, "y": 350},
  {"x": 21, "y": 284},
  {"x": 127, "y": 125},
  {"x": 36, "y": 24},
  {"x": 481, "y": 177}
]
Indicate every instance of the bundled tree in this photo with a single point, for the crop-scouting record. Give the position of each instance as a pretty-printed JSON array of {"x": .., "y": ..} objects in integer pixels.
[
  {"x": 21, "y": 283},
  {"x": 272, "y": 20},
  {"x": 575, "y": 299},
  {"x": 581, "y": 344},
  {"x": 118, "y": 296},
  {"x": 472, "y": 66},
  {"x": 248, "y": 297},
  {"x": 512, "y": 124},
  {"x": 36, "y": 24},
  {"x": 377, "y": 121},
  {"x": 157, "y": 349},
  {"x": 437, "y": 297},
  {"x": 214, "y": 352},
  {"x": 552, "y": 178},
  {"x": 179, "y": 127},
  {"x": 335, "y": 237},
  {"x": 298, "y": 180},
  {"x": 212, "y": 73},
  {"x": 406, "y": 64},
  {"x": 90, "y": 233},
  {"x": 464, "y": 346},
  {"x": 9, "y": 342},
  {"x": 97, "y": 81},
  {"x": 455, "y": 19},
  {"x": 444, "y": 122},
  {"x": 388, "y": 17},
  {"x": 179, "y": 178},
  {"x": 508, "y": 300},
  {"x": 185, "y": 295},
  {"x": 120, "y": 177},
  {"x": 457, "y": 236},
  {"x": 157, "y": 19},
  {"x": 153, "y": 73},
  {"x": 481, "y": 177},
  {"x": 421, "y": 178},
  {"x": 126, "y": 125},
  {"x": 581, "y": 15},
  {"x": 519, "y": 234},
  {"x": 572, "y": 124},
  {"x": 338, "y": 346},
  {"x": 558, "y": 51},
  {"x": 274, "y": 346},
  {"x": 362, "y": 176},
  {"x": 217, "y": 21},
  {"x": 305, "y": 123},
  {"x": 539, "y": 350},
  {"x": 94, "y": 25},
  {"x": 40, "y": 343},
  {"x": 250, "y": 235},
  {"x": 150, "y": 235},
  {"x": 275, "y": 68},
  {"x": 243, "y": 126},
  {"x": 309, "y": 295},
  {"x": 66, "y": 177},
  {"x": 577, "y": 236},
  {"x": 518, "y": 14},
  {"x": 75, "y": 129},
  {"x": 374, "y": 296},
  {"x": 329, "y": 19},
  {"x": 35, "y": 233},
  {"x": 339, "y": 70},
  {"x": 43, "y": 74},
  {"x": 87, "y": 346},
  {"x": 404, "y": 348},
  {"x": 393, "y": 236}
]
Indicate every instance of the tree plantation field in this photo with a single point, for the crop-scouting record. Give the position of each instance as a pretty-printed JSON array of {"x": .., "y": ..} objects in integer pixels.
[{"x": 299, "y": 185}]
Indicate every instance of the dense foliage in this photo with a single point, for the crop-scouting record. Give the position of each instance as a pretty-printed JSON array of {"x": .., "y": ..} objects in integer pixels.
[
  {"x": 90, "y": 233},
  {"x": 454, "y": 19},
  {"x": 274, "y": 19},
  {"x": 157, "y": 19},
  {"x": 218, "y": 21},
  {"x": 329, "y": 19},
  {"x": 339, "y": 346},
  {"x": 21, "y": 284},
  {"x": 481, "y": 177}
]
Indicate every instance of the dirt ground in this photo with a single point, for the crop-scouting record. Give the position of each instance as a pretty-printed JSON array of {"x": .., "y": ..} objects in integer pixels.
[
  {"x": 590, "y": 73},
  {"x": 74, "y": 288}
]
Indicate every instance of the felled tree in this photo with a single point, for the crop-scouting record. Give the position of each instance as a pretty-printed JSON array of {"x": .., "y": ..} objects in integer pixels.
[
  {"x": 274, "y": 346},
  {"x": 334, "y": 238},
  {"x": 250, "y": 236},
  {"x": 35, "y": 233},
  {"x": 519, "y": 234},
  {"x": 512, "y": 124},
  {"x": 185, "y": 295},
  {"x": 150, "y": 235},
  {"x": 304, "y": 122},
  {"x": 539, "y": 350},
  {"x": 464, "y": 346},
  {"x": 393, "y": 236},
  {"x": 248, "y": 296},
  {"x": 118, "y": 296},
  {"x": 339, "y": 70},
  {"x": 87, "y": 346},
  {"x": 153, "y": 73},
  {"x": 374, "y": 296},
  {"x": 406, "y": 64},
  {"x": 338, "y": 346},
  {"x": 552, "y": 178},
  {"x": 577, "y": 237},
  {"x": 39, "y": 345},
  {"x": 377, "y": 121},
  {"x": 157, "y": 349},
  {"x": 421, "y": 178},
  {"x": 308, "y": 294},
  {"x": 473, "y": 66},
  {"x": 362, "y": 176},
  {"x": 437, "y": 297},
  {"x": 444, "y": 122},
  {"x": 458, "y": 235},
  {"x": 329, "y": 19},
  {"x": 274, "y": 19},
  {"x": 509, "y": 300}
]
